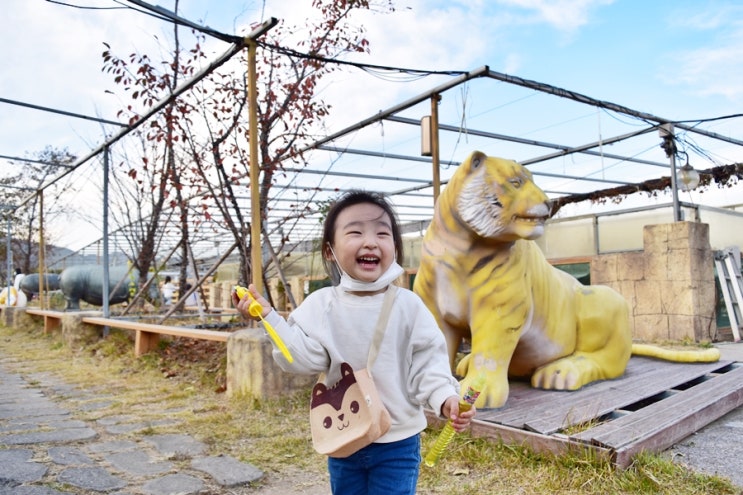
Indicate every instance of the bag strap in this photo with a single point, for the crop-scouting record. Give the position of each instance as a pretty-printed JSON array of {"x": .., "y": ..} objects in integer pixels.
[{"x": 384, "y": 317}]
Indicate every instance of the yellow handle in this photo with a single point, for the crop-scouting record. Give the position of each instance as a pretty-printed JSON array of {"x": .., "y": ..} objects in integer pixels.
[{"x": 255, "y": 309}]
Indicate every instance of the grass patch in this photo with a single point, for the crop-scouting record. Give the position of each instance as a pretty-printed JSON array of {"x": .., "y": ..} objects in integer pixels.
[{"x": 185, "y": 380}]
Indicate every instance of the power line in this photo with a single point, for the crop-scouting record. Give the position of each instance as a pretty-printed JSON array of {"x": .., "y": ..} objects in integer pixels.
[
  {"x": 417, "y": 73},
  {"x": 84, "y": 7},
  {"x": 167, "y": 15},
  {"x": 61, "y": 112},
  {"x": 29, "y": 160}
]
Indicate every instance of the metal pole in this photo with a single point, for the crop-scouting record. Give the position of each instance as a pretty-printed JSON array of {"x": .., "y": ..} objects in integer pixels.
[
  {"x": 666, "y": 132},
  {"x": 43, "y": 303},
  {"x": 105, "y": 293},
  {"x": 677, "y": 217},
  {"x": 195, "y": 288},
  {"x": 9, "y": 257},
  {"x": 199, "y": 282}
]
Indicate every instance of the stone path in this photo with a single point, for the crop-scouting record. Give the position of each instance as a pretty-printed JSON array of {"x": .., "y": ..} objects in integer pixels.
[{"x": 45, "y": 450}]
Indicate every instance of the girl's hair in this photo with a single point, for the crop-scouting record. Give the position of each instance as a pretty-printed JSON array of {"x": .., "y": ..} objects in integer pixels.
[{"x": 351, "y": 198}]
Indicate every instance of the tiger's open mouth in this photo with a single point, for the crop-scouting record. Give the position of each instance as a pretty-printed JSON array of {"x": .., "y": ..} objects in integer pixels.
[
  {"x": 529, "y": 219},
  {"x": 536, "y": 215}
]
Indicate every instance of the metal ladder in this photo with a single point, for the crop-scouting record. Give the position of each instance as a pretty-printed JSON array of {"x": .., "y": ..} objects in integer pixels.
[{"x": 731, "y": 283}]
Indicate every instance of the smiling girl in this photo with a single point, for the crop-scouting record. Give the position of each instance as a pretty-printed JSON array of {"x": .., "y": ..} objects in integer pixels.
[{"x": 362, "y": 249}]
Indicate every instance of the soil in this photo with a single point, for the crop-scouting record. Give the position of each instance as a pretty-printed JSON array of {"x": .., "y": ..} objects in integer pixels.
[{"x": 294, "y": 483}]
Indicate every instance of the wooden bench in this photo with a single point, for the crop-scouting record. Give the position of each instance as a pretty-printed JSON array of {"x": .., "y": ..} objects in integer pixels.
[
  {"x": 148, "y": 334},
  {"x": 52, "y": 319},
  {"x": 251, "y": 369}
]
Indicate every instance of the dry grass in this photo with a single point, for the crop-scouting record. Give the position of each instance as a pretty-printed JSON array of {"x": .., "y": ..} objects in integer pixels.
[{"x": 185, "y": 380}]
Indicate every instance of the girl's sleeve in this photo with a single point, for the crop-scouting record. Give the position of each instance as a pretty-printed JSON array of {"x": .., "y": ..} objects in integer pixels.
[
  {"x": 310, "y": 357},
  {"x": 431, "y": 379}
]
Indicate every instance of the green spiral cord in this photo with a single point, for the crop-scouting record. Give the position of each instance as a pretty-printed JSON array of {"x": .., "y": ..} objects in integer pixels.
[
  {"x": 441, "y": 443},
  {"x": 465, "y": 404}
]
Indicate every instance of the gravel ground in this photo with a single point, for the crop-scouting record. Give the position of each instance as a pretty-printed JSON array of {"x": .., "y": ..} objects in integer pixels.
[{"x": 718, "y": 447}]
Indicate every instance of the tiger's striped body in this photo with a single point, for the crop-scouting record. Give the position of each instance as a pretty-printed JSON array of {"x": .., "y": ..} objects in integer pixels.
[{"x": 484, "y": 279}]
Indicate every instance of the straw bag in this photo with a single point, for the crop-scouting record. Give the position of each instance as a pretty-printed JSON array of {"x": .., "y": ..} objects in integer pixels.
[{"x": 349, "y": 415}]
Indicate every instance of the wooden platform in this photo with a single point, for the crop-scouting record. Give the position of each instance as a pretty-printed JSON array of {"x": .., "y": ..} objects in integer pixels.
[{"x": 653, "y": 406}]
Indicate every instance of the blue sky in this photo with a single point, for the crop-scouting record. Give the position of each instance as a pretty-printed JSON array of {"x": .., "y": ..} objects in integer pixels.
[
  {"x": 667, "y": 57},
  {"x": 675, "y": 59},
  {"x": 681, "y": 59}
]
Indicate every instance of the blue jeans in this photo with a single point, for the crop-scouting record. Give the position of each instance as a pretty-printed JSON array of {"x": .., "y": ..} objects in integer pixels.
[{"x": 378, "y": 469}]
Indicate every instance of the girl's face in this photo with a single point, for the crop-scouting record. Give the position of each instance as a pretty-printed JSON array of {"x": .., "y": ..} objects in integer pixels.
[{"x": 363, "y": 241}]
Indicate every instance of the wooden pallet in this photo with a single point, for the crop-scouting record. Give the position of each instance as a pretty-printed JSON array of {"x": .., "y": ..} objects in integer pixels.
[{"x": 654, "y": 405}]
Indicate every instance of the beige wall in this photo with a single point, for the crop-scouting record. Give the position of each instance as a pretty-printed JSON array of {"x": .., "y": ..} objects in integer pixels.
[
  {"x": 593, "y": 234},
  {"x": 670, "y": 285}
]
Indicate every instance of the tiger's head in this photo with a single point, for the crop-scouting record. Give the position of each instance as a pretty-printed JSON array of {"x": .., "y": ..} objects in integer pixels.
[{"x": 497, "y": 199}]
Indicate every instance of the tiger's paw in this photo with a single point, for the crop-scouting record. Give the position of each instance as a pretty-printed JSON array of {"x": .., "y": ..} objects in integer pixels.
[
  {"x": 568, "y": 373},
  {"x": 464, "y": 365}
]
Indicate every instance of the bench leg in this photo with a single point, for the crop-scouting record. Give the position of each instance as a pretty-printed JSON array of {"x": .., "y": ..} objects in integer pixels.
[
  {"x": 144, "y": 342},
  {"x": 50, "y": 324}
]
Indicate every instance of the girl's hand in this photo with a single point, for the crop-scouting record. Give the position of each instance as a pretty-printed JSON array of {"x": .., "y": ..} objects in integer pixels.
[
  {"x": 243, "y": 305},
  {"x": 459, "y": 421}
]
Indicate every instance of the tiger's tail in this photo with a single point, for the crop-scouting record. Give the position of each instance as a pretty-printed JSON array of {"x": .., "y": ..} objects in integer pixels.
[{"x": 709, "y": 355}]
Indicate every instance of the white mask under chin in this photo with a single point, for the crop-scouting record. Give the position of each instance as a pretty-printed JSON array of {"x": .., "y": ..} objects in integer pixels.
[
  {"x": 352, "y": 285},
  {"x": 349, "y": 284}
]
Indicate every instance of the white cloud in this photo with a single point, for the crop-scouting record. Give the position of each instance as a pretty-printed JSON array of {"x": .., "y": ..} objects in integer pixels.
[
  {"x": 713, "y": 71},
  {"x": 704, "y": 20},
  {"x": 419, "y": 35},
  {"x": 52, "y": 58},
  {"x": 512, "y": 63},
  {"x": 716, "y": 68},
  {"x": 563, "y": 15}
]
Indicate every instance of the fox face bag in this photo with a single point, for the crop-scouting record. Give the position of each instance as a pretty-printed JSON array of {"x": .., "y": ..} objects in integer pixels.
[{"x": 350, "y": 415}]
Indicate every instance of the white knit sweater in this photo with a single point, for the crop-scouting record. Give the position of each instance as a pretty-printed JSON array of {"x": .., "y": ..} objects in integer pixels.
[{"x": 411, "y": 371}]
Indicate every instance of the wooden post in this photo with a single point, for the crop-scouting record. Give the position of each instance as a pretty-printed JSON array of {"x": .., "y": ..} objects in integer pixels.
[
  {"x": 256, "y": 260},
  {"x": 435, "y": 161}
]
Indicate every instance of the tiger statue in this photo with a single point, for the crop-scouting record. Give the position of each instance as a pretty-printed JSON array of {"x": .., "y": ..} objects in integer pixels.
[{"x": 485, "y": 280}]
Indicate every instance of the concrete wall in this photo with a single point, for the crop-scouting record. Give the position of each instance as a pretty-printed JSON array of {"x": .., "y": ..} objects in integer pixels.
[
  {"x": 670, "y": 285},
  {"x": 252, "y": 372}
]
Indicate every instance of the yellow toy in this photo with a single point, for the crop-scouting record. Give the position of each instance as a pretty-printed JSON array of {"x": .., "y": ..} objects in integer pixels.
[
  {"x": 484, "y": 279},
  {"x": 447, "y": 433},
  {"x": 256, "y": 310}
]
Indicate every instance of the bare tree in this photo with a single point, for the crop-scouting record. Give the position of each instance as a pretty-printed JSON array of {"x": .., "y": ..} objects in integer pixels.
[
  {"x": 202, "y": 137},
  {"x": 25, "y": 221},
  {"x": 288, "y": 110},
  {"x": 157, "y": 176}
]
